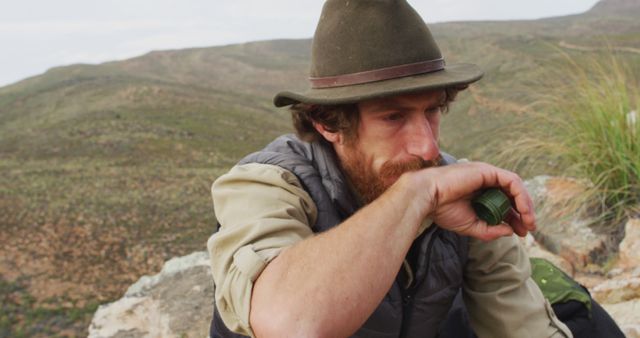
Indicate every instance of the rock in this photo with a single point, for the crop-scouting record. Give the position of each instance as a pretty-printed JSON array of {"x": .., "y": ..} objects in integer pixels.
[
  {"x": 563, "y": 230},
  {"x": 627, "y": 315},
  {"x": 629, "y": 254},
  {"x": 615, "y": 272},
  {"x": 535, "y": 250},
  {"x": 617, "y": 290},
  {"x": 177, "y": 302}
]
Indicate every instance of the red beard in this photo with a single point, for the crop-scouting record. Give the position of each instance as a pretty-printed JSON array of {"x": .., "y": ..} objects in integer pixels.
[{"x": 370, "y": 185}]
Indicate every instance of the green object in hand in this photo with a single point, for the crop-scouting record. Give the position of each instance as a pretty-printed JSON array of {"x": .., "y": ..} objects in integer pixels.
[{"x": 491, "y": 206}]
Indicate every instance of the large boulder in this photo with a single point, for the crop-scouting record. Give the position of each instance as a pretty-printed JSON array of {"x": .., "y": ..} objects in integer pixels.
[{"x": 177, "y": 302}]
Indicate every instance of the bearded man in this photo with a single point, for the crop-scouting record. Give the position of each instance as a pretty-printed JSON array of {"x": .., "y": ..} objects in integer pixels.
[{"x": 360, "y": 225}]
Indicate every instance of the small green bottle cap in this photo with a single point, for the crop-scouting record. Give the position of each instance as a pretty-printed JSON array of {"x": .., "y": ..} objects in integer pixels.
[{"x": 491, "y": 206}]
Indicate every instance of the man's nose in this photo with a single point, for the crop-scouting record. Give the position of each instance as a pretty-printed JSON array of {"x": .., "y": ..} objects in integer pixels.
[{"x": 422, "y": 140}]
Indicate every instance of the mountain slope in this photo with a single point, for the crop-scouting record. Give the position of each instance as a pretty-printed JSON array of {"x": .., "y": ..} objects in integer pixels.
[{"x": 616, "y": 8}]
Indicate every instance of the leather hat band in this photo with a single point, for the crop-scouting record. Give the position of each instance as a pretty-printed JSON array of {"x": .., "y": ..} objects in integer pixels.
[{"x": 377, "y": 74}]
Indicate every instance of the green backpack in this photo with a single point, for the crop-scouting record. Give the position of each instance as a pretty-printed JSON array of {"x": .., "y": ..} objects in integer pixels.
[{"x": 557, "y": 286}]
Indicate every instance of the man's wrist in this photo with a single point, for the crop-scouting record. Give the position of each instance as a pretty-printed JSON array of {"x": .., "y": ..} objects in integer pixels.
[{"x": 421, "y": 196}]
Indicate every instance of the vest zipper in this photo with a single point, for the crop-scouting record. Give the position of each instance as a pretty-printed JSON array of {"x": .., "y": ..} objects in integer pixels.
[{"x": 409, "y": 294}]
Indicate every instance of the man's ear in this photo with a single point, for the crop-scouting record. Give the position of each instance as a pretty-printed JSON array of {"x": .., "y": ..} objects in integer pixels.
[{"x": 333, "y": 137}]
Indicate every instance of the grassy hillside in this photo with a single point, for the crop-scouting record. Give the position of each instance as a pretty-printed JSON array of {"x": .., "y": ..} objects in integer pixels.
[{"x": 106, "y": 168}]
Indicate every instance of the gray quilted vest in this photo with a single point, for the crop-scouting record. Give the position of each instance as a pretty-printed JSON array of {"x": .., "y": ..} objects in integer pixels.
[{"x": 439, "y": 256}]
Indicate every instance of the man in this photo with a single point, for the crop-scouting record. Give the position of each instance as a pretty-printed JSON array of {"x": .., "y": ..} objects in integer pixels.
[{"x": 367, "y": 230}]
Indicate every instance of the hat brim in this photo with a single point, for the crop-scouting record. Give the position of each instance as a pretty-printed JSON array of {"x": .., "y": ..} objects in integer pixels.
[{"x": 452, "y": 76}]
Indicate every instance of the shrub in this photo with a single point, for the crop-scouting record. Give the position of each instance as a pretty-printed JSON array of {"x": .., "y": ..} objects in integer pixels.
[{"x": 587, "y": 126}]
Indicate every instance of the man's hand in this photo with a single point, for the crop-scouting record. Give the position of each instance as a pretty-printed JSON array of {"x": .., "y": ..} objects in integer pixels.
[{"x": 445, "y": 195}]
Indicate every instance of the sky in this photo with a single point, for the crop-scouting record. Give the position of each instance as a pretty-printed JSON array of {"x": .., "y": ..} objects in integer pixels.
[{"x": 36, "y": 35}]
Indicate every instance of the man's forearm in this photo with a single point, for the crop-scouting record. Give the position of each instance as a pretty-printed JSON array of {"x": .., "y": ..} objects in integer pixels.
[{"x": 328, "y": 285}]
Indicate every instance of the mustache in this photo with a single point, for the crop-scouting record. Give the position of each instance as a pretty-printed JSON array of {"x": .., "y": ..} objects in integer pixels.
[{"x": 394, "y": 169}]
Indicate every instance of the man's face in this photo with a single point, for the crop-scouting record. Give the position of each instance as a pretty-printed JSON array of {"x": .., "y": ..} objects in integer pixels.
[{"x": 395, "y": 135}]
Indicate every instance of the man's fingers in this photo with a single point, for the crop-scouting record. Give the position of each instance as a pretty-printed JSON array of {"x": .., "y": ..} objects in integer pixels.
[
  {"x": 513, "y": 219},
  {"x": 522, "y": 219},
  {"x": 485, "y": 232}
]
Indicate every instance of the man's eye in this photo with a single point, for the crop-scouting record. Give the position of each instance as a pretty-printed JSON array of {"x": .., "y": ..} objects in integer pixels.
[
  {"x": 433, "y": 110},
  {"x": 394, "y": 117}
]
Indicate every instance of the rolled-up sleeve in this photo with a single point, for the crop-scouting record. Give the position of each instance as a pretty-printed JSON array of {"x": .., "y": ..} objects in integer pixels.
[
  {"x": 262, "y": 209},
  {"x": 502, "y": 299}
]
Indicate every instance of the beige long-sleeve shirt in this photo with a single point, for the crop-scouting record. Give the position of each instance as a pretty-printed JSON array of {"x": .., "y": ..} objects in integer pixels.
[{"x": 263, "y": 209}]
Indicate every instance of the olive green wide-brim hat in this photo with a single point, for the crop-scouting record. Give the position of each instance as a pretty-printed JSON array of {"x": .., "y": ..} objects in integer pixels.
[{"x": 365, "y": 49}]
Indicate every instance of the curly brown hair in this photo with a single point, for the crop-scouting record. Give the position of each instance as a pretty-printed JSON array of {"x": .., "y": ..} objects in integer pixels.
[
  {"x": 342, "y": 118},
  {"x": 335, "y": 118}
]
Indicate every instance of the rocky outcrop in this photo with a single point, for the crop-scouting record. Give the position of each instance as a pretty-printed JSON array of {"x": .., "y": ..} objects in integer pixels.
[{"x": 177, "y": 302}]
